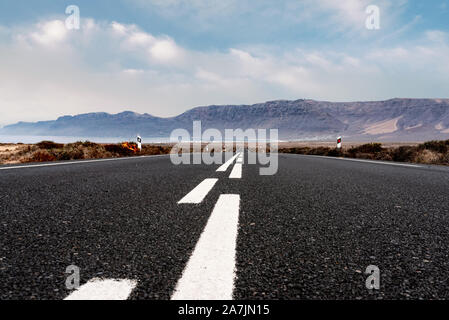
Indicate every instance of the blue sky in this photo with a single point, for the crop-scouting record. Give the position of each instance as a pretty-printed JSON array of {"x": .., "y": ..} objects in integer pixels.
[{"x": 166, "y": 56}]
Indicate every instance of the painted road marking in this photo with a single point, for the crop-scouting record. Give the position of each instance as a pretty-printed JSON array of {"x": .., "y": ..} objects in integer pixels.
[
  {"x": 225, "y": 166},
  {"x": 236, "y": 171},
  {"x": 107, "y": 289},
  {"x": 381, "y": 162},
  {"x": 210, "y": 272},
  {"x": 240, "y": 158},
  {"x": 198, "y": 194},
  {"x": 371, "y": 161},
  {"x": 79, "y": 162}
]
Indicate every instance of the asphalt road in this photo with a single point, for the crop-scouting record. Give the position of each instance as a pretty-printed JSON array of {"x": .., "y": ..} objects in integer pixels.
[{"x": 308, "y": 232}]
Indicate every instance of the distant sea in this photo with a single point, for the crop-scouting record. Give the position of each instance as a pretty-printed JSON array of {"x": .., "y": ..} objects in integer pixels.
[{"x": 63, "y": 139}]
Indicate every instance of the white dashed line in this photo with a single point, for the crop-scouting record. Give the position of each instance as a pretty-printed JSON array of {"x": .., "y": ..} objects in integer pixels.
[
  {"x": 225, "y": 166},
  {"x": 78, "y": 162},
  {"x": 210, "y": 272},
  {"x": 109, "y": 289},
  {"x": 198, "y": 194},
  {"x": 236, "y": 171}
]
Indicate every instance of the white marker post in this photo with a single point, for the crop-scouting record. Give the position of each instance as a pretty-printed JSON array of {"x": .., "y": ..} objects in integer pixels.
[
  {"x": 139, "y": 143},
  {"x": 339, "y": 143}
]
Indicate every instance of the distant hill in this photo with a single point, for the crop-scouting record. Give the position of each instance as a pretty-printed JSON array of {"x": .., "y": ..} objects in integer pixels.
[{"x": 390, "y": 120}]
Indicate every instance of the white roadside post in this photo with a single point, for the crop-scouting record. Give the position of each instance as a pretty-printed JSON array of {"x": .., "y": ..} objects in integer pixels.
[
  {"x": 139, "y": 143},
  {"x": 339, "y": 143}
]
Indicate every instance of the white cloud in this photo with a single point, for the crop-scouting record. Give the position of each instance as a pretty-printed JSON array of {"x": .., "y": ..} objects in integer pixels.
[
  {"x": 165, "y": 50},
  {"x": 112, "y": 67},
  {"x": 157, "y": 49},
  {"x": 437, "y": 36},
  {"x": 50, "y": 32}
]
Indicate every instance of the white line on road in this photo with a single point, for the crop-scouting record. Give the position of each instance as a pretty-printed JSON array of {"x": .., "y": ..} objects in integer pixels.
[
  {"x": 225, "y": 166},
  {"x": 210, "y": 272},
  {"x": 198, "y": 194},
  {"x": 78, "y": 162},
  {"x": 371, "y": 161},
  {"x": 107, "y": 289},
  {"x": 236, "y": 171}
]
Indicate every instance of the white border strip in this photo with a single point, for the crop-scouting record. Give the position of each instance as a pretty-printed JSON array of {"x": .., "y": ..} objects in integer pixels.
[
  {"x": 369, "y": 161},
  {"x": 210, "y": 272},
  {"x": 79, "y": 162},
  {"x": 198, "y": 194}
]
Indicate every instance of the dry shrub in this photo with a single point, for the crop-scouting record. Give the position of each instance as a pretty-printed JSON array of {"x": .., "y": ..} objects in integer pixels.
[
  {"x": 428, "y": 156},
  {"x": 97, "y": 152},
  {"x": 334, "y": 153},
  {"x": 72, "y": 154},
  {"x": 27, "y": 150},
  {"x": 320, "y": 151},
  {"x": 432, "y": 152},
  {"x": 437, "y": 146},
  {"x": 40, "y": 156},
  {"x": 88, "y": 144},
  {"x": 368, "y": 148},
  {"x": 445, "y": 159},
  {"x": 155, "y": 150},
  {"x": 404, "y": 154},
  {"x": 50, "y": 151},
  {"x": 384, "y": 156},
  {"x": 49, "y": 145},
  {"x": 118, "y": 150}
]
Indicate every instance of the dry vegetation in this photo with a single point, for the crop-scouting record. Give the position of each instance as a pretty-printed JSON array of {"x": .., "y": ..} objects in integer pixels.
[
  {"x": 50, "y": 151},
  {"x": 431, "y": 152}
]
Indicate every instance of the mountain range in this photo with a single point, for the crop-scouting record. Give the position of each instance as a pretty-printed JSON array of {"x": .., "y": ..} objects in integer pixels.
[{"x": 390, "y": 120}]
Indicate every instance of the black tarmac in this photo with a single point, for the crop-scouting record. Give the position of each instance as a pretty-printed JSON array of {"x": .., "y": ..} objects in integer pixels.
[{"x": 308, "y": 232}]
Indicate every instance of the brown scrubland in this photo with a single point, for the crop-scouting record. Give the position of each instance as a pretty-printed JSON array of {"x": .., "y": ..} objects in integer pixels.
[
  {"x": 431, "y": 152},
  {"x": 49, "y": 151}
]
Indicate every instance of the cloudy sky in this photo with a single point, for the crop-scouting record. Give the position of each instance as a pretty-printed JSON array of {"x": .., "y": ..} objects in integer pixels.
[{"x": 166, "y": 56}]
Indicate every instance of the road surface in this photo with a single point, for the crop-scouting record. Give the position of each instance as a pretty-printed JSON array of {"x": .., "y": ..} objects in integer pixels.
[{"x": 143, "y": 228}]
